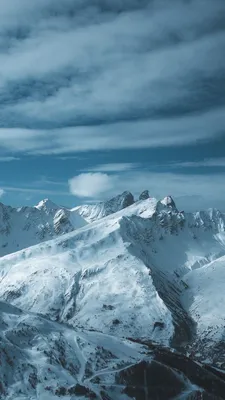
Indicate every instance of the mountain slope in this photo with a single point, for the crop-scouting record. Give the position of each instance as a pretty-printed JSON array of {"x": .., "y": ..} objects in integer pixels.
[
  {"x": 90, "y": 279},
  {"x": 27, "y": 226},
  {"x": 41, "y": 359}
]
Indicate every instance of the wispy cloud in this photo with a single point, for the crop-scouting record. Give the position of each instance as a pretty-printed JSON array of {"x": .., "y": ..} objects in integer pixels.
[
  {"x": 208, "y": 162},
  {"x": 34, "y": 190},
  {"x": 44, "y": 181},
  {"x": 122, "y": 135},
  {"x": 2, "y": 192},
  {"x": 8, "y": 159},
  {"x": 216, "y": 162},
  {"x": 91, "y": 75},
  {"x": 65, "y": 158},
  {"x": 113, "y": 167}
]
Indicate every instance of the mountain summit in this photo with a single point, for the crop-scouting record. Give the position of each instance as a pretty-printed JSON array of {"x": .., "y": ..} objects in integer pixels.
[
  {"x": 169, "y": 202},
  {"x": 144, "y": 195},
  {"x": 47, "y": 204}
]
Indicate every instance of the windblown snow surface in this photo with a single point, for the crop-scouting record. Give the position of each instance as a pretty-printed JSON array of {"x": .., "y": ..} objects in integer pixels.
[{"x": 147, "y": 272}]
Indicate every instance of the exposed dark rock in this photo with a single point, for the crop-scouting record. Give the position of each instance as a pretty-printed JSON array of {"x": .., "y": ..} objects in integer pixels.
[
  {"x": 108, "y": 307},
  {"x": 117, "y": 203},
  {"x": 61, "y": 391},
  {"x": 159, "y": 325},
  {"x": 150, "y": 381},
  {"x": 80, "y": 390},
  {"x": 144, "y": 195},
  {"x": 126, "y": 199},
  {"x": 116, "y": 321}
]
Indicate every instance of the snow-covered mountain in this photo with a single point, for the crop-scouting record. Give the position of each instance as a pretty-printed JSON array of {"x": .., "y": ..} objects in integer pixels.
[
  {"x": 93, "y": 212},
  {"x": 86, "y": 275},
  {"x": 146, "y": 272},
  {"x": 27, "y": 226}
]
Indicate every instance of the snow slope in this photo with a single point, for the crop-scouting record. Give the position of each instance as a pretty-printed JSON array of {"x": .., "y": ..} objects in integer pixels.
[
  {"x": 27, "y": 226},
  {"x": 177, "y": 247},
  {"x": 204, "y": 301}
]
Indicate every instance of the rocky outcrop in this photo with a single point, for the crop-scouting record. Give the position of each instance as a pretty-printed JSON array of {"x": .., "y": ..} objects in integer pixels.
[
  {"x": 121, "y": 201},
  {"x": 100, "y": 210},
  {"x": 144, "y": 195}
]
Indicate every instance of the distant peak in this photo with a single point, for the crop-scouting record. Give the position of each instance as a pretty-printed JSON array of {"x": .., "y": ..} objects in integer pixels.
[
  {"x": 123, "y": 200},
  {"x": 169, "y": 202},
  {"x": 47, "y": 204},
  {"x": 144, "y": 195}
]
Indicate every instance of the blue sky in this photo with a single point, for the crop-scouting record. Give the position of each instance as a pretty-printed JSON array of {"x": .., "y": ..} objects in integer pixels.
[{"x": 101, "y": 96}]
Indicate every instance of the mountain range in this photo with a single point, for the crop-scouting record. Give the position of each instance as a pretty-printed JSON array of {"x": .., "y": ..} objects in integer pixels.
[{"x": 122, "y": 299}]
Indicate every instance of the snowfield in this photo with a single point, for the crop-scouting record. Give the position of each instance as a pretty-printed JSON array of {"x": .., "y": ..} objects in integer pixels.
[{"x": 139, "y": 270}]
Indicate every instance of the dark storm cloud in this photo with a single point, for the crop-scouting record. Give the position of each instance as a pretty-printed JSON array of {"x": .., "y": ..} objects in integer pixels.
[{"x": 84, "y": 73}]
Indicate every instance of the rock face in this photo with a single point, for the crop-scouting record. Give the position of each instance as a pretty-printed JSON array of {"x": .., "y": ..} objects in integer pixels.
[
  {"x": 144, "y": 195},
  {"x": 124, "y": 200}
]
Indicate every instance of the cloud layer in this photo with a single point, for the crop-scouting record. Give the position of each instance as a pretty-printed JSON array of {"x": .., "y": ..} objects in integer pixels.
[{"x": 102, "y": 74}]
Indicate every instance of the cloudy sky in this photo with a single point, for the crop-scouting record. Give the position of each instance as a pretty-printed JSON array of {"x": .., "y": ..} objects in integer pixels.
[{"x": 101, "y": 96}]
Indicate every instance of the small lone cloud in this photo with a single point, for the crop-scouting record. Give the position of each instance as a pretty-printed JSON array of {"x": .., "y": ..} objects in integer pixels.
[{"x": 90, "y": 184}]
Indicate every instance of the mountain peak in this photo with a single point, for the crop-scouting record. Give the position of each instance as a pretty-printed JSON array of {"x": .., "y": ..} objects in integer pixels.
[
  {"x": 47, "y": 204},
  {"x": 169, "y": 202},
  {"x": 126, "y": 199},
  {"x": 100, "y": 210},
  {"x": 144, "y": 195}
]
